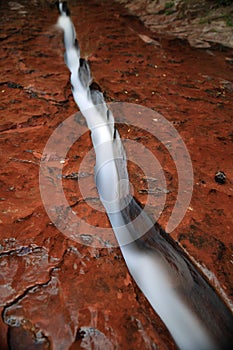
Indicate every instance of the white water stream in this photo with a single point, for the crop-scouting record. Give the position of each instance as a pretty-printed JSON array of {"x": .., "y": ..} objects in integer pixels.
[{"x": 160, "y": 271}]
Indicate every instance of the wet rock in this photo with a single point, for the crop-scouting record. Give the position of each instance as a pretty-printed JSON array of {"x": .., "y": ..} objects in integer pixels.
[
  {"x": 82, "y": 303},
  {"x": 62, "y": 289},
  {"x": 20, "y": 338},
  {"x": 32, "y": 261},
  {"x": 88, "y": 337},
  {"x": 3, "y": 334}
]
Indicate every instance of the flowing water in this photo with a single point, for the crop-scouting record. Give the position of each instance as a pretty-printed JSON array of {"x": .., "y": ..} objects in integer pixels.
[
  {"x": 154, "y": 268},
  {"x": 39, "y": 267}
]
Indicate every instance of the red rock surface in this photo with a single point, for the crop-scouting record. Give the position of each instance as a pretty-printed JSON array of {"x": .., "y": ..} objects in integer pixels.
[{"x": 57, "y": 293}]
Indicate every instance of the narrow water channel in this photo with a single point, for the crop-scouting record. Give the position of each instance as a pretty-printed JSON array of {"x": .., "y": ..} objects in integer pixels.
[{"x": 40, "y": 267}]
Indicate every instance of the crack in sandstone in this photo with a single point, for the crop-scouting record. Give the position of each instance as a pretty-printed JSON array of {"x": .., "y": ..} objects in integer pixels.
[{"x": 33, "y": 287}]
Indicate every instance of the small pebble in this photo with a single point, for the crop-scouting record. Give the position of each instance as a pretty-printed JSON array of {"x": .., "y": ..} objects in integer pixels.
[{"x": 220, "y": 177}]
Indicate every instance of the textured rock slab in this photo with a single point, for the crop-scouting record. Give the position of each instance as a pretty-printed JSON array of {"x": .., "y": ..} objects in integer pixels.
[{"x": 201, "y": 23}]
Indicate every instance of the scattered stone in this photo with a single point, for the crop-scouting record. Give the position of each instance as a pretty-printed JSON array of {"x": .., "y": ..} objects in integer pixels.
[
  {"x": 148, "y": 40},
  {"x": 229, "y": 60},
  {"x": 220, "y": 177},
  {"x": 13, "y": 85},
  {"x": 198, "y": 43}
]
